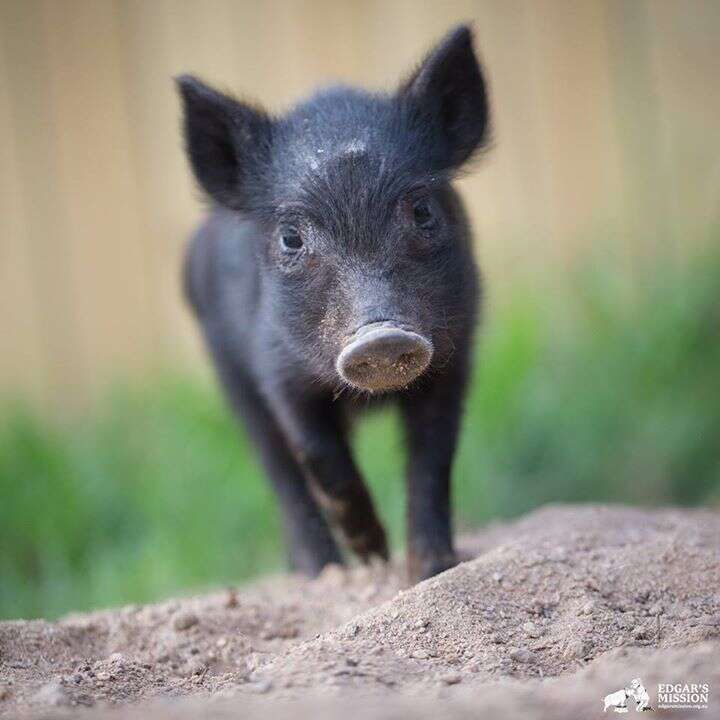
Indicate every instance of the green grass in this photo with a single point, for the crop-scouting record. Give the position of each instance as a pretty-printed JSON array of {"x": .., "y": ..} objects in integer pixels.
[{"x": 608, "y": 390}]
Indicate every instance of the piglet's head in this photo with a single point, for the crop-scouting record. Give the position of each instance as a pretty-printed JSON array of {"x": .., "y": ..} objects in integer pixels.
[{"x": 361, "y": 239}]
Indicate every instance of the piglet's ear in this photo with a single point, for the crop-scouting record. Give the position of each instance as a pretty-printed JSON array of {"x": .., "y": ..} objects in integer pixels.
[
  {"x": 226, "y": 141},
  {"x": 448, "y": 90}
]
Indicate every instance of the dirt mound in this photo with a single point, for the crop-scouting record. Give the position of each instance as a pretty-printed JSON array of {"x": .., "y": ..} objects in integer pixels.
[{"x": 554, "y": 611}]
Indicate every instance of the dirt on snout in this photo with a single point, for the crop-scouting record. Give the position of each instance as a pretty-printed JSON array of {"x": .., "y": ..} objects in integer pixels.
[{"x": 555, "y": 611}]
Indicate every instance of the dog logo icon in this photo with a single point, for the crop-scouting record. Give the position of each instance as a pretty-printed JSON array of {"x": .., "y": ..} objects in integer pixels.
[{"x": 636, "y": 691}]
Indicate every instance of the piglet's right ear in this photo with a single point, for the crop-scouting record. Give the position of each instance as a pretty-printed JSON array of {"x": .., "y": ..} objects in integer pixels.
[{"x": 226, "y": 141}]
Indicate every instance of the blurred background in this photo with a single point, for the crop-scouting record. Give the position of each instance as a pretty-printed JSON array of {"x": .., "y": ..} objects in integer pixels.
[{"x": 597, "y": 212}]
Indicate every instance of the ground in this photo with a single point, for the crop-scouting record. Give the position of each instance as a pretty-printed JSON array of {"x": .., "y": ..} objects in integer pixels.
[{"x": 553, "y": 612}]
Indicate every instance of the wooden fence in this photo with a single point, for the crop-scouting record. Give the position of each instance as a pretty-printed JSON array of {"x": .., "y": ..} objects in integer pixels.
[{"x": 607, "y": 129}]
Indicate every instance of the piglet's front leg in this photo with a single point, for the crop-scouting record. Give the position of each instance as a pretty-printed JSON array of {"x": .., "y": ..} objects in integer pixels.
[
  {"x": 318, "y": 438},
  {"x": 431, "y": 417}
]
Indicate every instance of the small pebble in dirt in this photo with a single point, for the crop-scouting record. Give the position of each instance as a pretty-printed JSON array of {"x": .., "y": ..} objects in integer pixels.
[
  {"x": 51, "y": 693},
  {"x": 497, "y": 577},
  {"x": 451, "y": 678},
  {"x": 4, "y": 693},
  {"x": 533, "y": 630},
  {"x": 195, "y": 667},
  {"x": 419, "y": 654},
  {"x": 221, "y": 642},
  {"x": 590, "y": 607},
  {"x": 185, "y": 620},
  {"x": 521, "y": 655},
  {"x": 577, "y": 649},
  {"x": 103, "y": 676}
]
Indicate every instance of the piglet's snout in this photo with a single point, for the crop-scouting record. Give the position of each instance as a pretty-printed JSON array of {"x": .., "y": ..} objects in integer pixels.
[{"x": 381, "y": 356}]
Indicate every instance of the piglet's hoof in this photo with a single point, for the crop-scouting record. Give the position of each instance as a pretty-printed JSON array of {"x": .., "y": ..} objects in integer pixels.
[
  {"x": 370, "y": 544},
  {"x": 422, "y": 568}
]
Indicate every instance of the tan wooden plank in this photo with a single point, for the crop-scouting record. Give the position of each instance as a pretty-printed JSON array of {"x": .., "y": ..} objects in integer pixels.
[
  {"x": 573, "y": 114},
  {"x": 45, "y": 230},
  {"x": 21, "y": 346},
  {"x": 684, "y": 68},
  {"x": 95, "y": 186},
  {"x": 165, "y": 195}
]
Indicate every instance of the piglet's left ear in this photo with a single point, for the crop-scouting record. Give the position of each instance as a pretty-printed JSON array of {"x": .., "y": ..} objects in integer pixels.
[{"x": 449, "y": 91}]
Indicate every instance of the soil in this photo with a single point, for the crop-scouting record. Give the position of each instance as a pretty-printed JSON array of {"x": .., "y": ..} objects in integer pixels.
[{"x": 553, "y": 612}]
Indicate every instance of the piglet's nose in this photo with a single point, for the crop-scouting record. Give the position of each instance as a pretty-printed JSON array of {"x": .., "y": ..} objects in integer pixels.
[{"x": 382, "y": 356}]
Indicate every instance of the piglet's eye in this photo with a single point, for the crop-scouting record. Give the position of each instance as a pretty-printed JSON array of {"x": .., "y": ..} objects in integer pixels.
[
  {"x": 423, "y": 215},
  {"x": 290, "y": 241}
]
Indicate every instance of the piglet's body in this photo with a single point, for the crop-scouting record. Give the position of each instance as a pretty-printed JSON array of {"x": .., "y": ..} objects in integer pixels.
[{"x": 335, "y": 272}]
